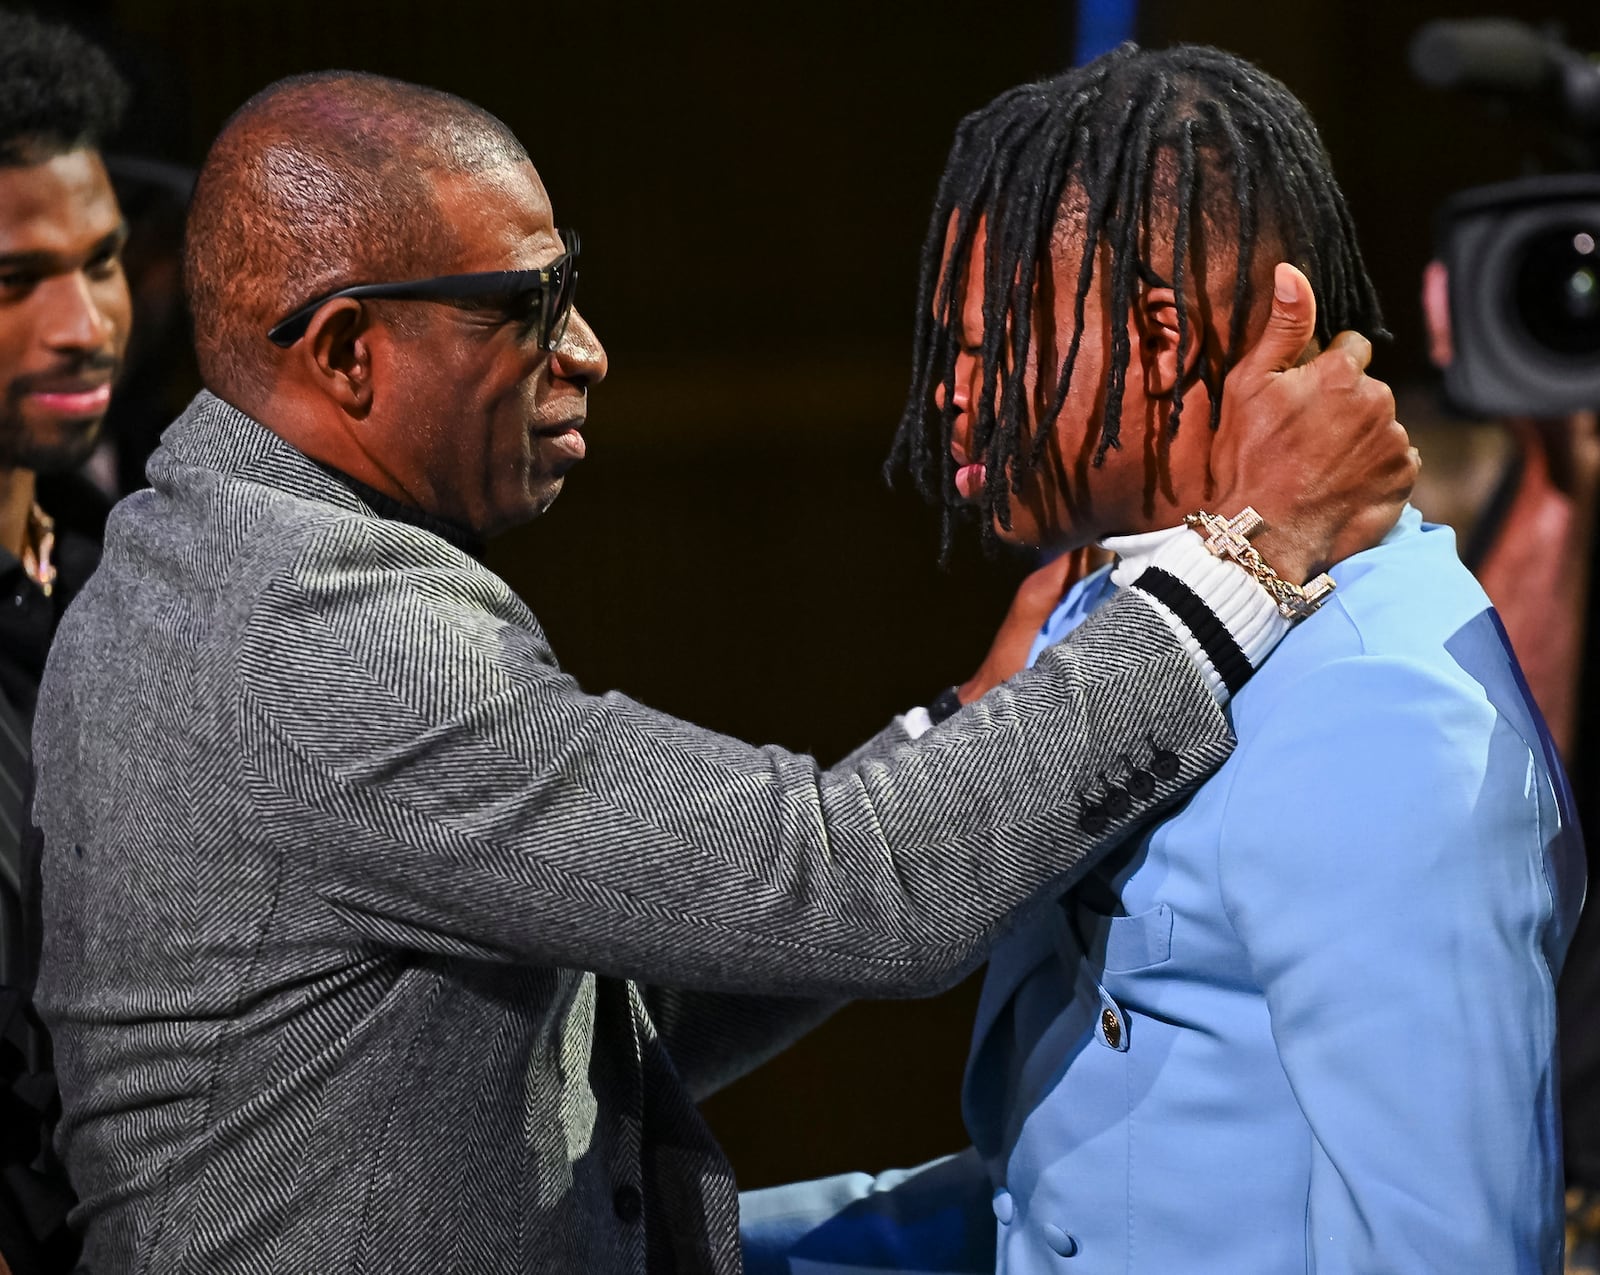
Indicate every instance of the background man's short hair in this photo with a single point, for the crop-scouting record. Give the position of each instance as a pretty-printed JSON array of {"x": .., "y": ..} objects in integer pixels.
[{"x": 57, "y": 91}]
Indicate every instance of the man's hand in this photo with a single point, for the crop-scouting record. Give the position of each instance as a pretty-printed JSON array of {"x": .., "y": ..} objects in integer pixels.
[
  {"x": 1036, "y": 597},
  {"x": 1313, "y": 445},
  {"x": 1538, "y": 569}
]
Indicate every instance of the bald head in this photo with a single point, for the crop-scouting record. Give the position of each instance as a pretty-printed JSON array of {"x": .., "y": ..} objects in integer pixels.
[{"x": 317, "y": 182}]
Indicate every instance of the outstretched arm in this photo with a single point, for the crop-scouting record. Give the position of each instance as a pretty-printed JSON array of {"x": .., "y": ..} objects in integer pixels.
[{"x": 589, "y": 831}]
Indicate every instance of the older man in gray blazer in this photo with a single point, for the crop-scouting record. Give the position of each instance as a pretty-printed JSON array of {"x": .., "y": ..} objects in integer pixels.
[{"x": 361, "y": 915}]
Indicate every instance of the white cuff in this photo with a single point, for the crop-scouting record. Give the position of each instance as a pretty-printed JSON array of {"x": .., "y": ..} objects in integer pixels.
[{"x": 1242, "y": 607}]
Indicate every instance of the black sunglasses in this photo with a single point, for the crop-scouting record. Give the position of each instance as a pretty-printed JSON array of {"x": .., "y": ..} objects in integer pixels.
[{"x": 539, "y": 298}]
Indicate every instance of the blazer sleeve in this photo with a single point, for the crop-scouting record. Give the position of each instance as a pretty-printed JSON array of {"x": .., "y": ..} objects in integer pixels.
[
  {"x": 717, "y": 1037},
  {"x": 402, "y": 717},
  {"x": 879, "y": 747},
  {"x": 1383, "y": 861}
]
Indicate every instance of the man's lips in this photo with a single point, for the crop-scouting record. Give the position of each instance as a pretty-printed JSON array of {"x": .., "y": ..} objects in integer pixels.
[
  {"x": 565, "y": 436},
  {"x": 72, "y": 398},
  {"x": 969, "y": 473},
  {"x": 80, "y": 388}
]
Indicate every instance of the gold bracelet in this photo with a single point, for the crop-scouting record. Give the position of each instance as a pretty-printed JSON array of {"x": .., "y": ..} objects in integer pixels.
[{"x": 1230, "y": 538}]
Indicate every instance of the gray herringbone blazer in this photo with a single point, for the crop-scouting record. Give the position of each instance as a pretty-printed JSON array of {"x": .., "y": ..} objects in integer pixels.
[{"x": 360, "y": 912}]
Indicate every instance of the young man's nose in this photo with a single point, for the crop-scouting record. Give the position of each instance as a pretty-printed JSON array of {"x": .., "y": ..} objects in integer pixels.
[
  {"x": 966, "y": 365},
  {"x": 72, "y": 316}
]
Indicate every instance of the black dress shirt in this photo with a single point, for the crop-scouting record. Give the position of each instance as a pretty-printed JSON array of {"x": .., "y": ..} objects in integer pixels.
[{"x": 34, "y": 1196}]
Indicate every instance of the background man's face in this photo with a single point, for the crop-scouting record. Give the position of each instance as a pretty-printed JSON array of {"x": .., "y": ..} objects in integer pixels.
[{"x": 64, "y": 309}]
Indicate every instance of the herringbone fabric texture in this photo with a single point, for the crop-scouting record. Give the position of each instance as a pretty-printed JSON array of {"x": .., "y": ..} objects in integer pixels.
[{"x": 350, "y": 892}]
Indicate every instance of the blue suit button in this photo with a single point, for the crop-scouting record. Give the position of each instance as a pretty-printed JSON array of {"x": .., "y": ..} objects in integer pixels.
[
  {"x": 1005, "y": 1208},
  {"x": 1059, "y": 1240}
]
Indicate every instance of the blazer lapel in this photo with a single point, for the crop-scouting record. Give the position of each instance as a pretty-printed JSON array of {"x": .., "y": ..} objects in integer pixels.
[{"x": 985, "y": 1090}]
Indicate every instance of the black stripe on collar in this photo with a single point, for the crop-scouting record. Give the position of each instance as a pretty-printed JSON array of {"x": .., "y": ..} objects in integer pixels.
[{"x": 386, "y": 506}]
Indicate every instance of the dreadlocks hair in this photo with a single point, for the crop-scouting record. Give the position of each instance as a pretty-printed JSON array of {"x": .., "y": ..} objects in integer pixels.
[
  {"x": 1133, "y": 141},
  {"x": 57, "y": 91}
]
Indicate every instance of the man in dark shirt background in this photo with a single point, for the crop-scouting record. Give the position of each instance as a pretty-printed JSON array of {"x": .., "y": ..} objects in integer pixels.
[{"x": 64, "y": 319}]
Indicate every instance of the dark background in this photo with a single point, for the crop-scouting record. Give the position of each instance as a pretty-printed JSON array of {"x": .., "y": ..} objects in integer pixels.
[{"x": 752, "y": 182}]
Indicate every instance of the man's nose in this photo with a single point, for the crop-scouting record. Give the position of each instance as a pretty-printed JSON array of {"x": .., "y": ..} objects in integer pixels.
[
  {"x": 965, "y": 367},
  {"x": 579, "y": 356},
  {"x": 72, "y": 317}
]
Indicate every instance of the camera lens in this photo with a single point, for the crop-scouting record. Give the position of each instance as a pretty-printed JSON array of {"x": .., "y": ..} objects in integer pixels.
[{"x": 1556, "y": 289}]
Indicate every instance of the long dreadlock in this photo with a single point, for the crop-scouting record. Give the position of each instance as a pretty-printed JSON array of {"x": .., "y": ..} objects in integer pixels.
[{"x": 1139, "y": 135}]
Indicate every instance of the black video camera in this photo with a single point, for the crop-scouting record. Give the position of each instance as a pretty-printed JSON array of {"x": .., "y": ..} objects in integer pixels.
[{"x": 1523, "y": 257}]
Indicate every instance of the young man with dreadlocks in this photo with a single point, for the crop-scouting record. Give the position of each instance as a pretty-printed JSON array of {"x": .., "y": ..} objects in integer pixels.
[{"x": 1307, "y": 1022}]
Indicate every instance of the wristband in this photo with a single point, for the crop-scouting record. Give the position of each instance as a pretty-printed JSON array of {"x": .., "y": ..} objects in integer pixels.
[{"x": 1227, "y": 657}]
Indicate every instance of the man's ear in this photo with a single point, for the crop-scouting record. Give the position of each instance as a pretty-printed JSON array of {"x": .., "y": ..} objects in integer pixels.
[
  {"x": 338, "y": 352},
  {"x": 1156, "y": 313}
]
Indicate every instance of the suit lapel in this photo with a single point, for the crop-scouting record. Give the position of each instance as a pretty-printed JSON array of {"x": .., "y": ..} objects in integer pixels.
[{"x": 985, "y": 1089}]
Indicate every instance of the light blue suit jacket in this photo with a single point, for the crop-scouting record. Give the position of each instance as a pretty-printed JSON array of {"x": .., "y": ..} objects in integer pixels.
[{"x": 1308, "y": 1022}]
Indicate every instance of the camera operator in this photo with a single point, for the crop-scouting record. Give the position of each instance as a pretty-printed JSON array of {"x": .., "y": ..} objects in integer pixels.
[
  {"x": 1513, "y": 313},
  {"x": 1531, "y": 547},
  {"x": 1524, "y": 500}
]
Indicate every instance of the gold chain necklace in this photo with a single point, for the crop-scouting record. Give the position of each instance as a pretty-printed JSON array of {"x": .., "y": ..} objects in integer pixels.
[{"x": 38, "y": 549}]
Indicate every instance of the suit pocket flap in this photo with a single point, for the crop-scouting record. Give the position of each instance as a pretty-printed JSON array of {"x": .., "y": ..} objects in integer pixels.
[{"x": 1121, "y": 944}]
